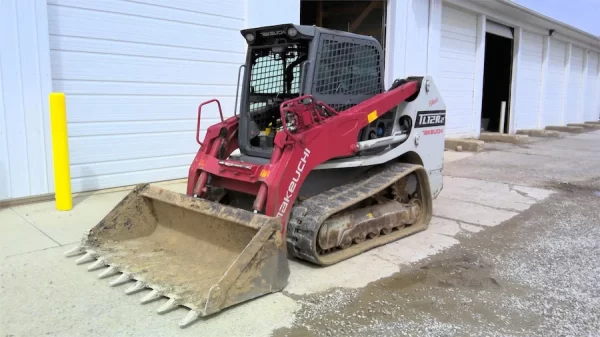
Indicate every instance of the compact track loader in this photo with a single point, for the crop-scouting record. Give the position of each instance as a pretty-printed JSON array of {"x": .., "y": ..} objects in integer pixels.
[{"x": 322, "y": 163}]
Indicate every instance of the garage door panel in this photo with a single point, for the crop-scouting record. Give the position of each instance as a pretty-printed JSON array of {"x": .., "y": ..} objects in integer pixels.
[
  {"x": 592, "y": 112},
  {"x": 529, "y": 81},
  {"x": 83, "y": 87},
  {"x": 457, "y": 105},
  {"x": 461, "y": 54},
  {"x": 106, "y": 109},
  {"x": 457, "y": 86},
  {"x": 86, "y": 129},
  {"x": 592, "y": 70},
  {"x": 225, "y": 8},
  {"x": 459, "y": 123},
  {"x": 110, "y": 168},
  {"x": 121, "y": 68},
  {"x": 574, "y": 90},
  {"x": 110, "y": 26},
  {"x": 450, "y": 36},
  {"x": 134, "y": 73},
  {"x": 530, "y": 61},
  {"x": 162, "y": 12},
  {"x": 457, "y": 44},
  {"x": 92, "y": 149},
  {"x": 449, "y": 76},
  {"x": 78, "y": 44},
  {"x": 553, "y": 94},
  {"x": 456, "y": 65},
  {"x": 458, "y": 21},
  {"x": 94, "y": 182},
  {"x": 457, "y": 68}
]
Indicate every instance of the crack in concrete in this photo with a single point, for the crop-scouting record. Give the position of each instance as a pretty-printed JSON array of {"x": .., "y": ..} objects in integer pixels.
[
  {"x": 386, "y": 260},
  {"x": 32, "y": 251},
  {"x": 458, "y": 221},
  {"x": 34, "y": 226},
  {"x": 488, "y": 206},
  {"x": 523, "y": 194}
]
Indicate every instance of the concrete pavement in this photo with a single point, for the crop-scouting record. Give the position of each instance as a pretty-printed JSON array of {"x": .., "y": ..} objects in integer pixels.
[
  {"x": 536, "y": 274},
  {"x": 44, "y": 293}
]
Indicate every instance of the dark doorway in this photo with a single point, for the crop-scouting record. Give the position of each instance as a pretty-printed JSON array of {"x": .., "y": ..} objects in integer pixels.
[
  {"x": 496, "y": 82},
  {"x": 361, "y": 17}
]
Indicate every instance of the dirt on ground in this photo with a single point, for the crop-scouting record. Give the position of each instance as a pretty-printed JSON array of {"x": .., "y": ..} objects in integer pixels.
[{"x": 535, "y": 275}]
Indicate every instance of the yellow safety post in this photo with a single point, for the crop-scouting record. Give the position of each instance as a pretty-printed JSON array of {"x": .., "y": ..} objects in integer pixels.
[{"x": 60, "y": 151}]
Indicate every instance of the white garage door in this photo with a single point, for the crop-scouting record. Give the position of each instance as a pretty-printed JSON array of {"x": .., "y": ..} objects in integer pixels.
[
  {"x": 529, "y": 81},
  {"x": 134, "y": 74},
  {"x": 591, "y": 111},
  {"x": 574, "y": 89},
  {"x": 553, "y": 95},
  {"x": 457, "y": 69}
]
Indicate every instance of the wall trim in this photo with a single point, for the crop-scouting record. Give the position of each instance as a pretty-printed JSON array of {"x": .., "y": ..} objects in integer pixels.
[
  {"x": 581, "y": 101},
  {"x": 512, "y": 119},
  {"x": 479, "y": 72}
]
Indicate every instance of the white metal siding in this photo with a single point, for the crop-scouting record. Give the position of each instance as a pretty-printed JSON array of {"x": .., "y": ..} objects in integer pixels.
[
  {"x": 25, "y": 159},
  {"x": 134, "y": 74},
  {"x": 574, "y": 89},
  {"x": 529, "y": 81},
  {"x": 553, "y": 95},
  {"x": 457, "y": 68},
  {"x": 591, "y": 88}
]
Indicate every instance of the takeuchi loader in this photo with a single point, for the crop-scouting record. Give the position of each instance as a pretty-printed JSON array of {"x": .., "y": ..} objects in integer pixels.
[{"x": 320, "y": 164}]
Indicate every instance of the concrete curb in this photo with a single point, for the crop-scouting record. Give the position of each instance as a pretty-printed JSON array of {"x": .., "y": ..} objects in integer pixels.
[
  {"x": 585, "y": 126},
  {"x": 539, "y": 133},
  {"x": 562, "y": 128},
  {"x": 467, "y": 144},
  {"x": 503, "y": 137},
  {"x": 593, "y": 122}
]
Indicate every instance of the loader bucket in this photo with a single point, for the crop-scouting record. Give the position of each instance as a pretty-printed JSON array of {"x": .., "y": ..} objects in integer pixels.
[{"x": 200, "y": 254}]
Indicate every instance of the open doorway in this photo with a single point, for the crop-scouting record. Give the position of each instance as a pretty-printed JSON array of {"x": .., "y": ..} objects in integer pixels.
[
  {"x": 497, "y": 82},
  {"x": 358, "y": 16}
]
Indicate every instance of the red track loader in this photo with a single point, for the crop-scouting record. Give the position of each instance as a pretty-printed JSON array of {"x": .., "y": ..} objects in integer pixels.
[{"x": 321, "y": 163}]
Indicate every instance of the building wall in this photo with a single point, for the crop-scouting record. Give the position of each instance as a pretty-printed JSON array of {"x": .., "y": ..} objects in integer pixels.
[
  {"x": 134, "y": 73},
  {"x": 25, "y": 157}
]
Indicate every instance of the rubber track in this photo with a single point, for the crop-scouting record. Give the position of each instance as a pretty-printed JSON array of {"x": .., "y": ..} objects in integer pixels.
[{"x": 308, "y": 215}]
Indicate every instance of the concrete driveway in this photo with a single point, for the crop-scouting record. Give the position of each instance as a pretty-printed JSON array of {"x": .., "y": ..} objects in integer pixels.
[{"x": 512, "y": 250}]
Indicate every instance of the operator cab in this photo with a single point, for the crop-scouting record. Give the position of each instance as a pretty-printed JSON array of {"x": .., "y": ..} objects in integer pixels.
[{"x": 285, "y": 61}]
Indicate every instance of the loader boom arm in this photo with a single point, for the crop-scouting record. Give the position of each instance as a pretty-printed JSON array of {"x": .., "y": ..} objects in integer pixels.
[{"x": 313, "y": 133}]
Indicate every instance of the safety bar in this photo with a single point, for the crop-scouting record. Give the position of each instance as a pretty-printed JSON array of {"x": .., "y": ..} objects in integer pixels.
[{"x": 200, "y": 114}]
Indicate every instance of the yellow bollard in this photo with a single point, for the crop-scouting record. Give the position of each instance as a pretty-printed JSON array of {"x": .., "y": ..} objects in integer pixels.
[{"x": 60, "y": 151}]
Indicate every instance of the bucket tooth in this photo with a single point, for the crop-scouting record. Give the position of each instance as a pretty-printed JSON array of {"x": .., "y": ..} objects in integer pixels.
[
  {"x": 111, "y": 270},
  {"x": 156, "y": 238},
  {"x": 139, "y": 285},
  {"x": 189, "y": 318},
  {"x": 120, "y": 280},
  {"x": 86, "y": 258},
  {"x": 74, "y": 251},
  {"x": 96, "y": 265},
  {"x": 168, "y": 306},
  {"x": 154, "y": 294}
]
